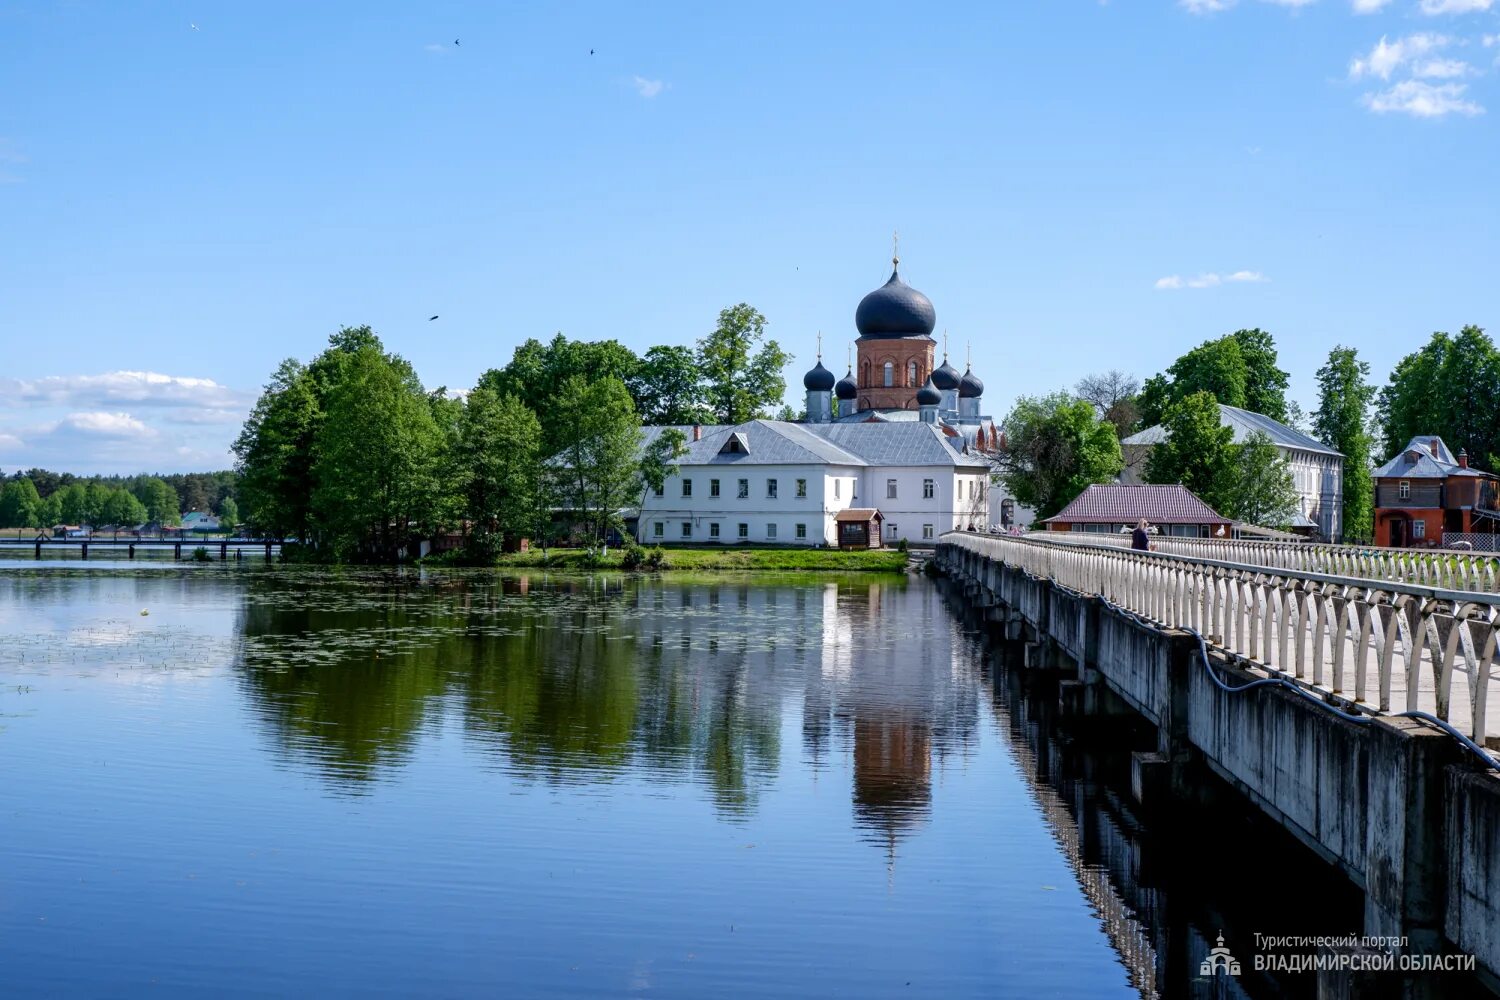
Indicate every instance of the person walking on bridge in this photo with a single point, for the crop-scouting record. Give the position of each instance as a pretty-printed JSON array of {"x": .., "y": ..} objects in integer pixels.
[{"x": 1140, "y": 538}]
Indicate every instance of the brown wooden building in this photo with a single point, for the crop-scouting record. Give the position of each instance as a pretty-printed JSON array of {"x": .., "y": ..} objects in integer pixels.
[
  {"x": 859, "y": 528},
  {"x": 1427, "y": 497}
]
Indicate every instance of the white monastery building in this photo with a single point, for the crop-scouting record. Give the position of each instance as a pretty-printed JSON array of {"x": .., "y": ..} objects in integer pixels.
[{"x": 901, "y": 445}]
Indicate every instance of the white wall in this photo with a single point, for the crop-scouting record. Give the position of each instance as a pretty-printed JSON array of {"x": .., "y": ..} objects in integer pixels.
[
  {"x": 766, "y": 519},
  {"x": 830, "y": 489}
]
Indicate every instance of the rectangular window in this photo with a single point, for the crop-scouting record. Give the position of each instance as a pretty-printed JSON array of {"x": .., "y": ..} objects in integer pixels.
[
  {"x": 744, "y": 531},
  {"x": 687, "y": 529},
  {"x": 1419, "y": 529},
  {"x": 713, "y": 530},
  {"x": 836, "y": 484},
  {"x": 928, "y": 489},
  {"x": 890, "y": 489},
  {"x": 687, "y": 487},
  {"x": 1405, "y": 490},
  {"x": 771, "y": 531},
  {"x": 891, "y": 529},
  {"x": 927, "y": 531},
  {"x": 801, "y": 489},
  {"x": 960, "y": 489},
  {"x": 770, "y": 489},
  {"x": 658, "y": 529},
  {"x": 661, "y": 490},
  {"x": 801, "y": 531},
  {"x": 713, "y": 487},
  {"x": 744, "y": 488}
]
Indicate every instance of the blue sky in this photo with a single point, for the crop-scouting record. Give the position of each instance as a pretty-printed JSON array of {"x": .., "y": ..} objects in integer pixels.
[{"x": 1078, "y": 186}]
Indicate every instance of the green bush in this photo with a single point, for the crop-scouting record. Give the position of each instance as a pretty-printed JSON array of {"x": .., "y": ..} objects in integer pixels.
[
  {"x": 200, "y": 554},
  {"x": 901, "y": 545}
]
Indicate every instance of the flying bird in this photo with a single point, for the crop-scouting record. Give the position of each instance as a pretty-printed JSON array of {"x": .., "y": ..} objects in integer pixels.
[
  {"x": 193, "y": 26},
  {"x": 455, "y": 41},
  {"x": 591, "y": 51},
  {"x": 431, "y": 318}
]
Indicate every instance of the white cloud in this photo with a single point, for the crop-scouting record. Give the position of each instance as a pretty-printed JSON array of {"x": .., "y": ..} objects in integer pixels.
[
  {"x": 1441, "y": 69},
  {"x": 1432, "y": 8},
  {"x": 1368, "y": 6},
  {"x": 1206, "y": 6},
  {"x": 143, "y": 388},
  {"x": 1387, "y": 57},
  {"x": 434, "y": 47},
  {"x": 105, "y": 424},
  {"x": 1172, "y": 282},
  {"x": 648, "y": 88},
  {"x": 1423, "y": 100}
]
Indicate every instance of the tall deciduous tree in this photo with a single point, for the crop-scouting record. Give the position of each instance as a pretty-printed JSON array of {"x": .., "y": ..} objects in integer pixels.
[
  {"x": 376, "y": 458},
  {"x": 1265, "y": 383},
  {"x": 1342, "y": 422},
  {"x": 275, "y": 452},
  {"x": 537, "y": 372},
  {"x": 1055, "y": 447},
  {"x": 121, "y": 509},
  {"x": 160, "y": 501},
  {"x": 1451, "y": 388},
  {"x": 668, "y": 387},
  {"x": 229, "y": 515},
  {"x": 741, "y": 368},
  {"x": 20, "y": 505},
  {"x": 1259, "y": 488},
  {"x": 499, "y": 462},
  {"x": 1198, "y": 451},
  {"x": 1113, "y": 394},
  {"x": 597, "y": 465},
  {"x": 1237, "y": 370}
]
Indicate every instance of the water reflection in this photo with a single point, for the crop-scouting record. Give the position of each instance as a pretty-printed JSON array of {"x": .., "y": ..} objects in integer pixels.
[{"x": 566, "y": 680}]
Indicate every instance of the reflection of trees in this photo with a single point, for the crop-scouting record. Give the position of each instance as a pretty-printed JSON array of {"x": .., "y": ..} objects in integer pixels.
[{"x": 568, "y": 682}]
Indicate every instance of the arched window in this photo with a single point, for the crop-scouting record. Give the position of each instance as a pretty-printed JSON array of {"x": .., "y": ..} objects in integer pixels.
[
  {"x": 911, "y": 374},
  {"x": 890, "y": 375},
  {"x": 864, "y": 374}
]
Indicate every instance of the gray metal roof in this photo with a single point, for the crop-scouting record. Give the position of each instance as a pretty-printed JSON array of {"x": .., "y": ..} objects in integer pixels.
[
  {"x": 1433, "y": 461},
  {"x": 1244, "y": 423},
  {"x": 777, "y": 442}
]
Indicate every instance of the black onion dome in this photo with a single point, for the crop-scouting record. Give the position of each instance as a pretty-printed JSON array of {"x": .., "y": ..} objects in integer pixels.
[
  {"x": 945, "y": 377},
  {"x": 895, "y": 309},
  {"x": 847, "y": 387},
  {"x": 820, "y": 379},
  {"x": 929, "y": 395},
  {"x": 969, "y": 387}
]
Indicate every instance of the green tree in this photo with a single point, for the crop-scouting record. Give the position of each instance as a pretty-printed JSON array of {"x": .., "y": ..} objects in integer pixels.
[
  {"x": 160, "y": 501},
  {"x": 1055, "y": 447},
  {"x": 1342, "y": 423},
  {"x": 1259, "y": 487},
  {"x": 97, "y": 497},
  {"x": 659, "y": 462},
  {"x": 1216, "y": 367},
  {"x": 1198, "y": 452},
  {"x": 50, "y": 511},
  {"x": 275, "y": 452},
  {"x": 74, "y": 503},
  {"x": 1154, "y": 398},
  {"x": 121, "y": 509},
  {"x": 500, "y": 468},
  {"x": 668, "y": 387},
  {"x": 1265, "y": 383},
  {"x": 536, "y": 374},
  {"x": 229, "y": 515},
  {"x": 741, "y": 369},
  {"x": 20, "y": 505},
  {"x": 376, "y": 455},
  {"x": 1450, "y": 387},
  {"x": 1115, "y": 395},
  {"x": 597, "y": 465}
]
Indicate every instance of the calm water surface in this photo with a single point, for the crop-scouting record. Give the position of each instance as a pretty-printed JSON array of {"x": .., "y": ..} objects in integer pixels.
[{"x": 221, "y": 780}]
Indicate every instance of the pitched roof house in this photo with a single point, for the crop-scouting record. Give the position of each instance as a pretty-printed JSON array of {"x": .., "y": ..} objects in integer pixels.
[
  {"x": 1317, "y": 470},
  {"x": 1114, "y": 507},
  {"x": 1426, "y": 496}
]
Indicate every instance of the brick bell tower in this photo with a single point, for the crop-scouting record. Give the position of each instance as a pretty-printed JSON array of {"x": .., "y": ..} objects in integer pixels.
[{"x": 895, "y": 344}]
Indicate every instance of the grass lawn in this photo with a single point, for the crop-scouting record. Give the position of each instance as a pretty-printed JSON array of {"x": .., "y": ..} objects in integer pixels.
[{"x": 726, "y": 558}]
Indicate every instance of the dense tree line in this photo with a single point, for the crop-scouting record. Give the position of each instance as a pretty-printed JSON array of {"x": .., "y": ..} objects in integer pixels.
[
  {"x": 39, "y": 498},
  {"x": 350, "y": 456}
]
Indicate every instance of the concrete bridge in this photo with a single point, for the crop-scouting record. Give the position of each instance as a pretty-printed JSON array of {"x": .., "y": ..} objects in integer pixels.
[{"x": 1352, "y": 710}]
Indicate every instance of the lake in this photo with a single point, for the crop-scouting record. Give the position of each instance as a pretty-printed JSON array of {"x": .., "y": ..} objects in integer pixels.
[{"x": 243, "y": 780}]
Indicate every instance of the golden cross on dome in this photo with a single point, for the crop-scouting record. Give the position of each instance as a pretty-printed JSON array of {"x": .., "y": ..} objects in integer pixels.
[{"x": 820, "y": 345}]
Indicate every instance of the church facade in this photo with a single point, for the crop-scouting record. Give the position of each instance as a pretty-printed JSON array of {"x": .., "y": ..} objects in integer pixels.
[{"x": 902, "y": 438}]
